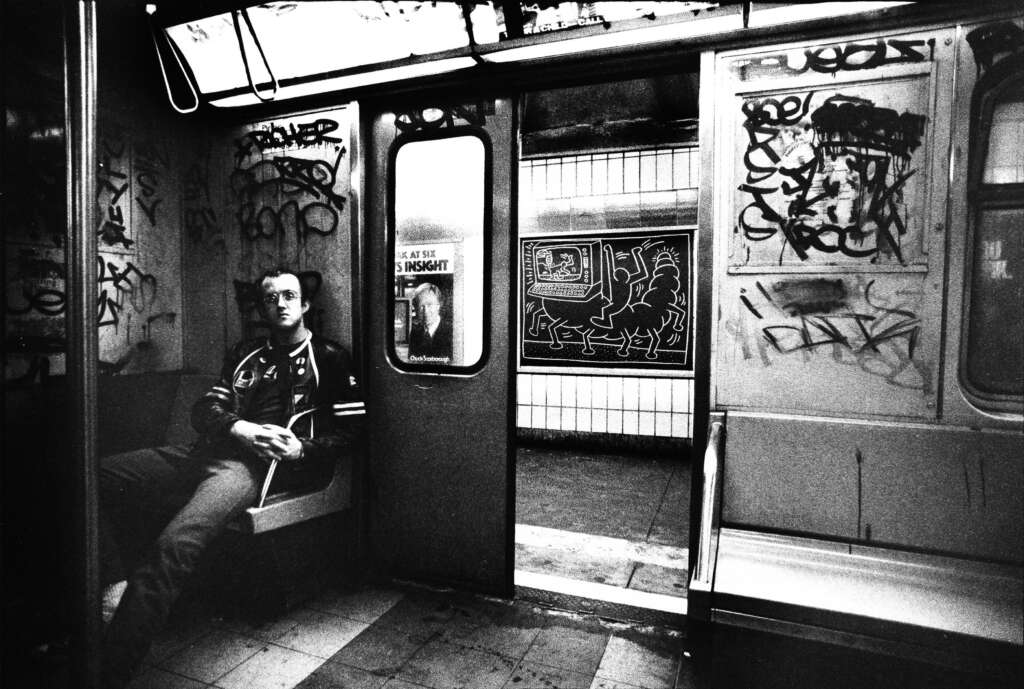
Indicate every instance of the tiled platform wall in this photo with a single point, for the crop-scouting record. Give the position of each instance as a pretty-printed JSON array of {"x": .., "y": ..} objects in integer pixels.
[{"x": 626, "y": 405}]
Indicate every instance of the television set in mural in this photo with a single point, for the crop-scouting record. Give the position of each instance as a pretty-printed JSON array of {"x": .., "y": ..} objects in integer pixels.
[{"x": 617, "y": 300}]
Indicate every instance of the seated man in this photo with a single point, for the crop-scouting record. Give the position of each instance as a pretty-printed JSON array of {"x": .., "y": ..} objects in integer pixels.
[{"x": 291, "y": 397}]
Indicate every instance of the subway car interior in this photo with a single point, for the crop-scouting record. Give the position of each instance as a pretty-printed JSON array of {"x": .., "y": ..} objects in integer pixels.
[{"x": 632, "y": 376}]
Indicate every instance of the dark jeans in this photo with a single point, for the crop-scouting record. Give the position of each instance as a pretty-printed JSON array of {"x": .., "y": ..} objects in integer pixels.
[{"x": 160, "y": 508}]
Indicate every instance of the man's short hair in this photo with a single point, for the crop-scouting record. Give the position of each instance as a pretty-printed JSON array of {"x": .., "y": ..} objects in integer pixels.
[
  {"x": 278, "y": 272},
  {"x": 427, "y": 287}
]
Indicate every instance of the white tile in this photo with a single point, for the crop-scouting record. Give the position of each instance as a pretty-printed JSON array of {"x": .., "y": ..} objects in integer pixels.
[
  {"x": 646, "y": 423},
  {"x": 630, "y": 393},
  {"x": 583, "y": 422},
  {"x": 614, "y": 421},
  {"x": 540, "y": 417},
  {"x": 647, "y": 390},
  {"x": 681, "y": 395},
  {"x": 554, "y": 391},
  {"x": 568, "y": 391},
  {"x": 629, "y": 422},
  {"x": 615, "y": 393},
  {"x": 663, "y": 394},
  {"x": 524, "y": 388},
  {"x": 633, "y": 664},
  {"x": 662, "y": 424},
  {"x": 599, "y": 388},
  {"x": 583, "y": 388},
  {"x": 568, "y": 418},
  {"x": 322, "y": 634},
  {"x": 689, "y": 425},
  {"x": 599, "y": 187},
  {"x": 680, "y": 425},
  {"x": 271, "y": 668},
  {"x": 523, "y": 416},
  {"x": 599, "y": 420},
  {"x": 539, "y": 390},
  {"x": 554, "y": 418}
]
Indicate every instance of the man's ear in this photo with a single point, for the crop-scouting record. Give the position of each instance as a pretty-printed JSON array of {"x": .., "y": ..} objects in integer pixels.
[{"x": 305, "y": 306}]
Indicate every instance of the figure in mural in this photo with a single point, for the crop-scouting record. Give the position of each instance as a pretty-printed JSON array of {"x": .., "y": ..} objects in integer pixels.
[
  {"x": 430, "y": 339},
  {"x": 621, "y": 298},
  {"x": 161, "y": 507},
  {"x": 642, "y": 303}
]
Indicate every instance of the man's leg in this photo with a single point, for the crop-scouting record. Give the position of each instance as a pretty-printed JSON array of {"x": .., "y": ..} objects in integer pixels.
[
  {"x": 226, "y": 488},
  {"x": 139, "y": 492}
]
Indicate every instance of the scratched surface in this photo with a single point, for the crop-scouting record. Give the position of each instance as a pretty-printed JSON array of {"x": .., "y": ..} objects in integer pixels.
[
  {"x": 138, "y": 290},
  {"x": 832, "y": 174},
  {"x": 827, "y": 342},
  {"x": 267, "y": 194}
]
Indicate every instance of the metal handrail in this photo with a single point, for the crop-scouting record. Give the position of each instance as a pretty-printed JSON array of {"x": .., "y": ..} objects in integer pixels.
[{"x": 702, "y": 571}]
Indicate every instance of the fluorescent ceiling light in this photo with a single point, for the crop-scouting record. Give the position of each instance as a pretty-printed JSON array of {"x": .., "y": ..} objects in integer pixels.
[
  {"x": 799, "y": 12},
  {"x": 352, "y": 81},
  {"x": 621, "y": 39}
]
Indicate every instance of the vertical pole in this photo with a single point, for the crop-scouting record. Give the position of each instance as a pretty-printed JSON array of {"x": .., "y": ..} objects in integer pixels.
[{"x": 82, "y": 349}]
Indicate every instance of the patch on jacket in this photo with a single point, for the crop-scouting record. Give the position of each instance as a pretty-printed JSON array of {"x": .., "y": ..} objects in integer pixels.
[{"x": 244, "y": 379}]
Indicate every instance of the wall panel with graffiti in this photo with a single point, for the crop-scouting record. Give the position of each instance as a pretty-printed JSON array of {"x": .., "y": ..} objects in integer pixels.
[
  {"x": 830, "y": 292},
  {"x": 267, "y": 194},
  {"x": 833, "y": 174},
  {"x": 607, "y": 300},
  {"x": 138, "y": 288}
]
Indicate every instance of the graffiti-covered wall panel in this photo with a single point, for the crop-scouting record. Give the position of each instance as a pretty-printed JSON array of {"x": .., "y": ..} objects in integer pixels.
[
  {"x": 610, "y": 300},
  {"x": 138, "y": 290},
  {"x": 272, "y": 193},
  {"x": 830, "y": 296}
]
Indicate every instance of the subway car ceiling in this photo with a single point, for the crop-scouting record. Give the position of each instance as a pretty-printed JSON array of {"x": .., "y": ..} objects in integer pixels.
[{"x": 198, "y": 45}]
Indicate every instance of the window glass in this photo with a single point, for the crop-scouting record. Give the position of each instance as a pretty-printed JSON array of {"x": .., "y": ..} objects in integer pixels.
[
  {"x": 439, "y": 219},
  {"x": 995, "y": 346},
  {"x": 994, "y": 356},
  {"x": 1005, "y": 161}
]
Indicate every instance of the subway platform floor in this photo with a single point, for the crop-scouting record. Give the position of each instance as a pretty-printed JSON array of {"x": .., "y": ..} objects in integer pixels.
[
  {"x": 603, "y": 526},
  {"x": 399, "y": 637}
]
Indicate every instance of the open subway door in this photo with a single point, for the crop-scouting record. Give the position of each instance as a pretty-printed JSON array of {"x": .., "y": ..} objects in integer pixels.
[{"x": 438, "y": 252}]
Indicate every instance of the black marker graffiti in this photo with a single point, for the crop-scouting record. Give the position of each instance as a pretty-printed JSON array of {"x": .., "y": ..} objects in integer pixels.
[
  {"x": 151, "y": 160},
  {"x": 199, "y": 218},
  {"x": 880, "y": 338},
  {"x": 276, "y": 137},
  {"x": 829, "y": 179},
  {"x": 127, "y": 284},
  {"x": 111, "y": 184},
  {"x": 842, "y": 57},
  {"x": 268, "y": 222},
  {"x": 433, "y": 119}
]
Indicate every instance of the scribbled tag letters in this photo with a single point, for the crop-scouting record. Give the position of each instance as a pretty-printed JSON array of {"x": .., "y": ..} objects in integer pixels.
[{"x": 832, "y": 176}]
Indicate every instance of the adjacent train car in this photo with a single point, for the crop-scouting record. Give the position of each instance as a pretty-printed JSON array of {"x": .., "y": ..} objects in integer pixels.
[{"x": 789, "y": 235}]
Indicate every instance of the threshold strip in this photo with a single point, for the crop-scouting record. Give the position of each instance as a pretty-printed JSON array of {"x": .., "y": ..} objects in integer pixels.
[
  {"x": 667, "y": 556},
  {"x": 601, "y": 592}
]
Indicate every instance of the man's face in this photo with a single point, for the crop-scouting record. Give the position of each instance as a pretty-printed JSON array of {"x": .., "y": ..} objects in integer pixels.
[
  {"x": 430, "y": 308},
  {"x": 281, "y": 297}
]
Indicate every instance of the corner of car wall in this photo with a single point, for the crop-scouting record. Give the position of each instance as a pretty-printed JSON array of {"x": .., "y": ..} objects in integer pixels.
[{"x": 839, "y": 253}]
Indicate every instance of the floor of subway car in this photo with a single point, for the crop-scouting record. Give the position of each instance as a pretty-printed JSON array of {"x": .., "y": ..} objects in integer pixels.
[
  {"x": 409, "y": 638},
  {"x": 603, "y": 526}
]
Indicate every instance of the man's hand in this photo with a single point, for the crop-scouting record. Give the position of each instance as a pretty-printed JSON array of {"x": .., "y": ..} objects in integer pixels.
[
  {"x": 282, "y": 442},
  {"x": 268, "y": 441}
]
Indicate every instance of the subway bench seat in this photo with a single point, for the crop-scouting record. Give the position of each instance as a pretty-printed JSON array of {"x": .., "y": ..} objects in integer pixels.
[
  {"x": 938, "y": 620},
  {"x": 152, "y": 410}
]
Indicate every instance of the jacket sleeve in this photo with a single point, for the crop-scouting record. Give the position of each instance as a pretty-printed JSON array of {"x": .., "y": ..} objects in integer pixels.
[
  {"x": 214, "y": 412},
  {"x": 339, "y": 420}
]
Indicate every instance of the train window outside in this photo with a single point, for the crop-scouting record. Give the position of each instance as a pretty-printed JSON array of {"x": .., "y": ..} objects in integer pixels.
[
  {"x": 993, "y": 359},
  {"x": 438, "y": 251}
]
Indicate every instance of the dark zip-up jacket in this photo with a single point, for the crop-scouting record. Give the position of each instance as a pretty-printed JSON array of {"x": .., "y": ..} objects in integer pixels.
[{"x": 324, "y": 410}]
